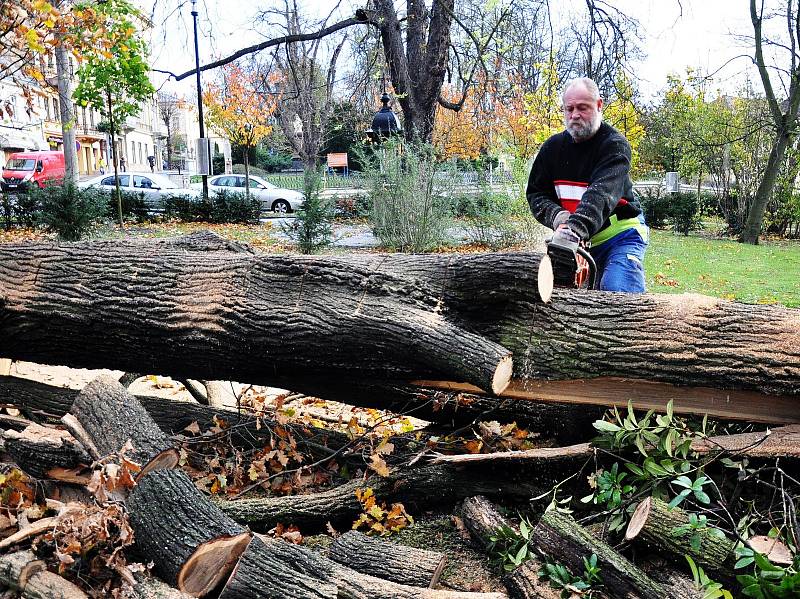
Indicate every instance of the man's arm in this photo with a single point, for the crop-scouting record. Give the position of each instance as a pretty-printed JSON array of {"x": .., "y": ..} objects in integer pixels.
[
  {"x": 605, "y": 189},
  {"x": 541, "y": 193}
]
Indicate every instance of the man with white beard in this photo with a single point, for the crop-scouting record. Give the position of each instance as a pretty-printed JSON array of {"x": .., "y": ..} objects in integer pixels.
[{"x": 580, "y": 186}]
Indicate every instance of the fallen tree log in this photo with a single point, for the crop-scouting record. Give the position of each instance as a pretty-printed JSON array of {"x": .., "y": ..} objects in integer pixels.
[
  {"x": 665, "y": 530},
  {"x": 418, "y": 487},
  {"x": 112, "y": 417},
  {"x": 774, "y": 443},
  {"x": 22, "y": 572},
  {"x": 220, "y": 305},
  {"x": 538, "y": 454},
  {"x": 47, "y": 403},
  {"x": 563, "y": 540},
  {"x": 482, "y": 519},
  {"x": 193, "y": 544},
  {"x": 41, "y": 451},
  {"x": 391, "y": 561},
  {"x": 273, "y": 568},
  {"x": 200, "y": 312}
]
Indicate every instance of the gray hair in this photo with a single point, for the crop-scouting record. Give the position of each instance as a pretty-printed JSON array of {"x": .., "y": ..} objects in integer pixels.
[{"x": 588, "y": 84}]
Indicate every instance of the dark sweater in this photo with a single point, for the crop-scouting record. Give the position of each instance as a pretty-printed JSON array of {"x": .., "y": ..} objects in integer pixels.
[{"x": 601, "y": 164}]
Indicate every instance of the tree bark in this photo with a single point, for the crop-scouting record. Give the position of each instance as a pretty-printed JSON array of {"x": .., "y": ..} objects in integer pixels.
[
  {"x": 193, "y": 314},
  {"x": 420, "y": 487},
  {"x": 202, "y": 312},
  {"x": 270, "y": 565},
  {"x": 524, "y": 583},
  {"x": 23, "y": 573},
  {"x": 654, "y": 525},
  {"x": 111, "y": 416},
  {"x": 482, "y": 519},
  {"x": 558, "y": 536},
  {"x": 384, "y": 559},
  {"x": 148, "y": 587},
  {"x": 193, "y": 544},
  {"x": 38, "y": 450},
  {"x": 778, "y": 442}
]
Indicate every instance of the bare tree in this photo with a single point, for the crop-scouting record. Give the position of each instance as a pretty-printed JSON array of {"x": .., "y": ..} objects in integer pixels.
[
  {"x": 782, "y": 109},
  {"x": 306, "y": 85}
]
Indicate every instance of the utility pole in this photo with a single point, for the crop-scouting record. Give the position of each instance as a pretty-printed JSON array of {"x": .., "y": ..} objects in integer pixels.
[
  {"x": 67, "y": 113},
  {"x": 200, "y": 100}
]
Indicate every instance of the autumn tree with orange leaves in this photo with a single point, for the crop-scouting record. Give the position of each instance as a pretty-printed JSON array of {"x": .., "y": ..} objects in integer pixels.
[{"x": 238, "y": 110}]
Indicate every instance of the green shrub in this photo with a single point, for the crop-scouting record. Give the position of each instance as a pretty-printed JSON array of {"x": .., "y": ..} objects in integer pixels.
[
  {"x": 7, "y": 209},
  {"x": 218, "y": 163},
  {"x": 411, "y": 193},
  {"x": 656, "y": 207},
  {"x": 311, "y": 228},
  {"x": 187, "y": 209},
  {"x": 134, "y": 206},
  {"x": 238, "y": 169},
  {"x": 27, "y": 208},
  {"x": 684, "y": 212},
  {"x": 272, "y": 162},
  {"x": 234, "y": 207},
  {"x": 68, "y": 210}
]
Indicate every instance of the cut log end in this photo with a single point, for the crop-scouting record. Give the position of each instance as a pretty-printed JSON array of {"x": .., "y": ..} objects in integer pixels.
[
  {"x": 502, "y": 375},
  {"x": 544, "y": 279},
  {"x": 638, "y": 519},
  {"x": 211, "y": 563},
  {"x": 165, "y": 460}
]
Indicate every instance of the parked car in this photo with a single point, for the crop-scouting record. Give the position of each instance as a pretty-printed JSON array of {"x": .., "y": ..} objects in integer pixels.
[
  {"x": 26, "y": 169},
  {"x": 271, "y": 196},
  {"x": 155, "y": 187}
]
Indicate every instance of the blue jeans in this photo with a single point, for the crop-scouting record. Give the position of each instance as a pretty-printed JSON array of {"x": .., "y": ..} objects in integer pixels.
[{"x": 620, "y": 262}]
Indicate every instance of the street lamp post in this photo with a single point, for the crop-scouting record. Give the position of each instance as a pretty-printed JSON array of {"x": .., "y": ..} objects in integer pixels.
[{"x": 199, "y": 97}]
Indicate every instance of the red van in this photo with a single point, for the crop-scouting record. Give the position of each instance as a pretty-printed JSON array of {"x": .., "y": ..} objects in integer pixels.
[{"x": 24, "y": 169}]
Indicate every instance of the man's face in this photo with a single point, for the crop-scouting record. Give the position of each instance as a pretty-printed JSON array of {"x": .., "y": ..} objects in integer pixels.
[{"x": 582, "y": 114}]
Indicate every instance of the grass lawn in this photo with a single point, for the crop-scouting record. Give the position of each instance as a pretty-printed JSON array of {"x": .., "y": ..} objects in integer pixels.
[{"x": 755, "y": 274}]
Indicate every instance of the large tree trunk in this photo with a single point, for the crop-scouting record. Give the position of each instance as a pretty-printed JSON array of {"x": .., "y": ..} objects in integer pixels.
[
  {"x": 418, "y": 487},
  {"x": 193, "y": 544},
  {"x": 269, "y": 566},
  {"x": 203, "y": 312},
  {"x": 195, "y": 314},
  {"x": 23, "y": 573}
]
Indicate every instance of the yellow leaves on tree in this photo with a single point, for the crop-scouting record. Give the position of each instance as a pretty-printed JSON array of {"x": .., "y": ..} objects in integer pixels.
[
  {"x": 377, "y": 518},
  {"x": 621, "y": 113},
  {"x": 239, "y": 107},
  {"x": 462, "y": 134}
]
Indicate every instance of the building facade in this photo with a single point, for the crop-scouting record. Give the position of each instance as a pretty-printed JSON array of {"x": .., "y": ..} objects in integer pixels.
[{"x": 21, "y": 126}]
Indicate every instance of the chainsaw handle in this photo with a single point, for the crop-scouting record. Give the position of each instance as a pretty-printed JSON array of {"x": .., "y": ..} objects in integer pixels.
[{"x": 583, "y": 253}]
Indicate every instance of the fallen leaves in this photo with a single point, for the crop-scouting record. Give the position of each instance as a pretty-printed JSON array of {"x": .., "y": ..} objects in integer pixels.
[{"x": 379, "y": 519}]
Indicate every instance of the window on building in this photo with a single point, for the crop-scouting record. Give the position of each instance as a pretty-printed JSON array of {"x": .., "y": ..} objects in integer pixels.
[
  {"x": 141, "y": 158},
  {"x": 133, "y": 151},
  {"x": 146, "y": 153},
  {"x": 91, "y": 118},
  {"x": 56, "y": 111}
]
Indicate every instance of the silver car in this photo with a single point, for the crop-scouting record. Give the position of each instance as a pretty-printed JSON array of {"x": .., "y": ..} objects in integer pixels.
[
  {"x": 154, "y": 186},
  {"x": 271, "y": 196}
]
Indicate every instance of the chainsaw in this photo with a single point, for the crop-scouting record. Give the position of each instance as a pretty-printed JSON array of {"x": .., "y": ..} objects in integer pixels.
[{"x": 573, "y": 265}]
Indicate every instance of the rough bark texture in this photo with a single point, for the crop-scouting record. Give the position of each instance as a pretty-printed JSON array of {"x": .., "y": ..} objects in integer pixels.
[
  {"x": 384, "y": 559},
  {"x": 175, "y": 525},
  {"x": 558, "y": 536},
  {"x": 524, "y": 583},
  {"x": 654, "y": 525},
  {"x": 482, "y": 519},
  {"x": 258, "y": 575},
  {"x": 678, "y": 586},
  {"x": 200, "y": 311},
  {"x": 777, "y": 442},
  {"x": 192, "y": 313},
  {"x": 270, "y": 563},
  {"x": 420, "y": 487},
  {"x": 21, "y": 572},
  {"x": 111, "y": 416},
  {"x": 38, "y": 449}
]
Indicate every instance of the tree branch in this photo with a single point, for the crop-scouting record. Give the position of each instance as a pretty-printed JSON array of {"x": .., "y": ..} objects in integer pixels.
[{"x": 362, "y": 17}]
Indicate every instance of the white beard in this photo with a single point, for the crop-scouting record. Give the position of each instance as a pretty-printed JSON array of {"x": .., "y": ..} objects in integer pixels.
[{"x": 583, "y": 130}]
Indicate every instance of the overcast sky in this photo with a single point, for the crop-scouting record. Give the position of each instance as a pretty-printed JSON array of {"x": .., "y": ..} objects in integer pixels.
[{"x": 676, "y": 34}]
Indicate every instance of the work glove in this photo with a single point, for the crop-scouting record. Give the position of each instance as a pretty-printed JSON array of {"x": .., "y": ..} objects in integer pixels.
[
  {"x": 560, "y": 219},
  {"x": 566, "y": 234}
]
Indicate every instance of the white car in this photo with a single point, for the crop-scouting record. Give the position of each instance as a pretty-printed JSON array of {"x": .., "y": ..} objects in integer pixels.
[
  {"x": 271, "y": 196},
  {"x": 154, "y": 186}
]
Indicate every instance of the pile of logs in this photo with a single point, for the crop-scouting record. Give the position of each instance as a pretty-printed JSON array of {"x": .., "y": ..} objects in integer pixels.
[{"x": 454, "y": 339}]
